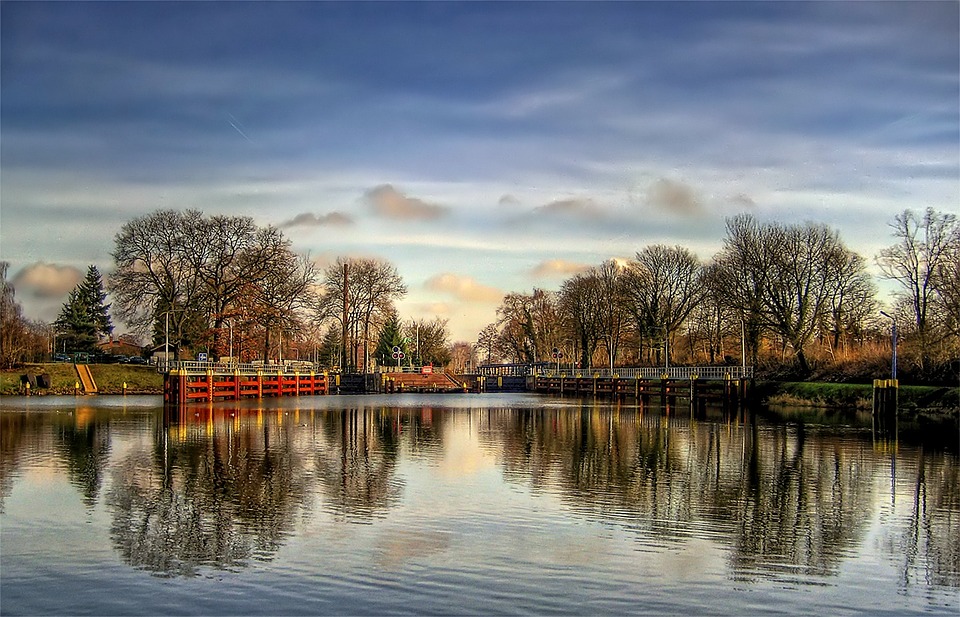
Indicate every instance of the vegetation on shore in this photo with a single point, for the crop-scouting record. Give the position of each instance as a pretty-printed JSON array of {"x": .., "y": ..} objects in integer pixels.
[
  {"x": 110, "y": 378},
  {"x": 852, "y": 396}
]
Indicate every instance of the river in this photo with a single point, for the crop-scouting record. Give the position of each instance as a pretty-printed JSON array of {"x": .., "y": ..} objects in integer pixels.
[{"x": 463, "y": 504}]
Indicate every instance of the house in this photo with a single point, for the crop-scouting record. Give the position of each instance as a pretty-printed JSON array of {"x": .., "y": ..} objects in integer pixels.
[{"x": 123, "y": 345}]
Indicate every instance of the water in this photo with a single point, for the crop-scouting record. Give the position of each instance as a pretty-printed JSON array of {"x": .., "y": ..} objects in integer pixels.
[{"x": 462, "y": 504}]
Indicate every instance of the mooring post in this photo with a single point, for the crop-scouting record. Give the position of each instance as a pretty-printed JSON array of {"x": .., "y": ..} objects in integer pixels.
[
  {"x": 694, "y": 401},
  {"x": 182, "y": 387}
]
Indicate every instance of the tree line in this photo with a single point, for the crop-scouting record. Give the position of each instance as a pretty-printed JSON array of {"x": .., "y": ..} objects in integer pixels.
[
  {"x": 785, "y": 298},
  {"x": 789, "y": 299}
]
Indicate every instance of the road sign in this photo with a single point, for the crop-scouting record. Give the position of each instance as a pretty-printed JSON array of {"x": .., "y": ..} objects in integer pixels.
[{"x": 201, "y": 357}]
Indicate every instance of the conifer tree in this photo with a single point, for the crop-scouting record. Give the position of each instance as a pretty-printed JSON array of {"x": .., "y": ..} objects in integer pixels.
[
  {"x": 84, "y": 318},
  {"x": 391, "y": 335},
  {"x": 93, "y": 295}
]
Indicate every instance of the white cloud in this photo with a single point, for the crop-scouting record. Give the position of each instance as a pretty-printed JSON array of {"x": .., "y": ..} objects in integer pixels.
[
  {"x": 390, "y": 203},
  {"x": 463, "y": 288},
  {"x": 46, "y": 281},
  {"x": 553, "y": 268}
]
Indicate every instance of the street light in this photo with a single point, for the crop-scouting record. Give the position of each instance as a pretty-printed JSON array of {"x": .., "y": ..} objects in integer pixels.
[{"x": 893, "y": 344}]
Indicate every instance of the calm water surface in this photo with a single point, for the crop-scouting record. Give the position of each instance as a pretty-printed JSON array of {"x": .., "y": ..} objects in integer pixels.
[{"x": 472, "y": 504}]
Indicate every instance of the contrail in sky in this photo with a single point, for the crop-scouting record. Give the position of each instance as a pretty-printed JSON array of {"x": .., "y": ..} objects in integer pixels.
[{"x": 234, "y": 122}]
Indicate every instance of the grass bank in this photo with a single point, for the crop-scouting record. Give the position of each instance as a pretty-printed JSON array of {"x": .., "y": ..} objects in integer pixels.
[
  {"x": 856, "y": 396},
  {"x": 927, "y": 410},
  {"x": 63, "y": 378}
]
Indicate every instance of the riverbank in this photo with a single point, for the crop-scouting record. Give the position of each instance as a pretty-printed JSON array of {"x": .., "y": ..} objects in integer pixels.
[
  {"x": 110, "y": 379},
  {"x": 924, "y": 410}
]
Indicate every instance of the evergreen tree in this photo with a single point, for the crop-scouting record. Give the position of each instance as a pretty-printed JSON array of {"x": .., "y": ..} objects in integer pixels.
[
  {"x": 330, "y": 347},
  {"x": 84, "y": 318},
  {"x": 75, "y": 328},
  {"x": 391, "y": 335},
  {"x": 93, "y": 296}
]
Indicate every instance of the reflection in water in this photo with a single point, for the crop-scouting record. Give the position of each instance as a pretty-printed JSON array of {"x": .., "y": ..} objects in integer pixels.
[
  {"x": 221, "y": 486},
  {"x": 355, "y": 460}
]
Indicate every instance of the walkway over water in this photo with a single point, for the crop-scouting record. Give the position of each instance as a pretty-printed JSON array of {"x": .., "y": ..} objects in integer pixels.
[
  {"x": 550, "y": 369},
  {"x": 209, "y": 381}
]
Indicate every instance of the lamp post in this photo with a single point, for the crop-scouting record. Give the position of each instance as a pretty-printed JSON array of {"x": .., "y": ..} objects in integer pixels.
[{"x": 893, "y": 344}]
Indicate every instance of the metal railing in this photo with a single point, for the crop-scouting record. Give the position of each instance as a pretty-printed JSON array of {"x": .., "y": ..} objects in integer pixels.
[
  {"x": 244, "y": 368},
  {"x": 652, "y": 372},
  {"x": 191, "y": 367}
]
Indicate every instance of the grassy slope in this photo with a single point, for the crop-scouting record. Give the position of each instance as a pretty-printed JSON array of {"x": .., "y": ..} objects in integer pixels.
[{"x": 109, "y": 377}]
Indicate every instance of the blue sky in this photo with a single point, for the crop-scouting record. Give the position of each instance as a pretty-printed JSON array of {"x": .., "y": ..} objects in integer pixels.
[{"x": 481, "y": 147}]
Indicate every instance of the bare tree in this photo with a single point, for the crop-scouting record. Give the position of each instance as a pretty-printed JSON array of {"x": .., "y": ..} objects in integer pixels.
[
  {"x": 947, "y": 285},
  {"x": 156, "y": 275},
  {"x": 712, "y": 319},
  {"x": 487, "y": 342},
  {"x": 232, "y": 253},
  {"x": 612, "y": 308},
  {"x": 580, "y": 302},
  {"x": 798, "y": 294},
  {"x": 529, "y": 324},
  {"x": 920, "y": 257},
  {"x": 372, "y": 287},
  {"x": 278, "y": 301},
  {"x": 851, "y": 297},
  {"x": 462, "y": 357},
  {"x": 662, "y": 287},
  {"x": 744, "y": 270}
]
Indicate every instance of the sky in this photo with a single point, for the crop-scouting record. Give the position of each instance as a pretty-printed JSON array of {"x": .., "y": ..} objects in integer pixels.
[{"x": 482, "y": 148}]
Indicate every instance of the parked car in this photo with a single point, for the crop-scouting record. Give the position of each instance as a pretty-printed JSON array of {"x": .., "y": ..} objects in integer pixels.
[
  {"x": 136, "y": 360},
  {"x": 61, "y": 357}
]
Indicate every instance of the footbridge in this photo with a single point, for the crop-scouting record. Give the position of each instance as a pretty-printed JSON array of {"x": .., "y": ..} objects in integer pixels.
[{"x": 209, "y": 381}]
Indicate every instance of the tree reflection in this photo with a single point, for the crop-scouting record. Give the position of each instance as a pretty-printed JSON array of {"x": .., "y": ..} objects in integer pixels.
[
  {"x": 357, "y": 463},
  {"x": 221, "y": 487},
  {"x": 930, "y": 543},
  {"x": 84, "y": 446},
  {"x": 785, "y": 506}
]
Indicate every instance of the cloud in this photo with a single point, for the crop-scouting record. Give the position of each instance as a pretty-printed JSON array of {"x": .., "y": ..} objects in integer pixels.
[
  {"x": 463, "y": 288},
  {"x": 309, "y": 219},
  {"x": 558, "y": 267},
  {"x": 675, "y": 197},
  {"x": 508, "y": 200},
  {"x": 46, "y": 281},
  {"x": 388, "y": 202},
  {"x": 576, "y": 207},
  {"x": 744, "y": 200}
]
